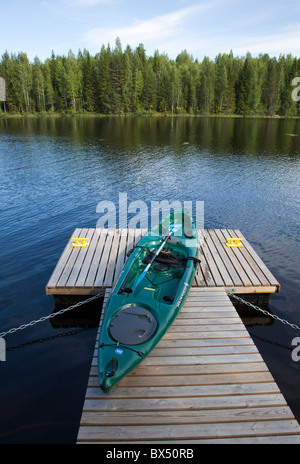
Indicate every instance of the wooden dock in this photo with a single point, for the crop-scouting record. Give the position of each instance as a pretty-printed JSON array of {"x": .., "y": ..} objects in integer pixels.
[
  {"x": 86, "y": 271},
  {"x": 205, "y": 382}
]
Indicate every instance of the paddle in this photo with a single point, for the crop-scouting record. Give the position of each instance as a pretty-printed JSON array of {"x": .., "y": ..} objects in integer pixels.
[{"x": 172, "y": 227}]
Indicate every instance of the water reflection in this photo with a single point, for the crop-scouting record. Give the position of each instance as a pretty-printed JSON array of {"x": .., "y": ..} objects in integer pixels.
[
  {"x": 245, "y": 135},
  {"x": 53, "y": 174}
]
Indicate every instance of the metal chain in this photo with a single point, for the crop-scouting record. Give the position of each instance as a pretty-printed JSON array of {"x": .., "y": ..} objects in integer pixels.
[
  {"x": 267, "y": 313},
  {"x": 81, "y": 303},
  {"x": 58, "y": 313}
]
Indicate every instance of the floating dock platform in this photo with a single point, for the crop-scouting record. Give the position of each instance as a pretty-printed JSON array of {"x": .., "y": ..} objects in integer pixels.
[
  {"x": 89, "y": 270},
  {"x": 205, "y": 382}
]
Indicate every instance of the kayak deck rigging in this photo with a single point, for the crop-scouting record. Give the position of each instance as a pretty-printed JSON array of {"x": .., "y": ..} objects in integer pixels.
[{"x": 163, "y": 277}]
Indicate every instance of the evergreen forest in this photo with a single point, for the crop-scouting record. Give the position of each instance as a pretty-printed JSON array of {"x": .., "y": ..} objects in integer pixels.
[{"x": 117, "y": 81}]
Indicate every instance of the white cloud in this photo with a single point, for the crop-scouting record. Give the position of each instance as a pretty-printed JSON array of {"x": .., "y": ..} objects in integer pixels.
[
  {"x": 204, "y": 29},
  {"x": 84, "y": 2},
  {"x": 283, "y": 41},
  {"x": 168, "y": 26}
]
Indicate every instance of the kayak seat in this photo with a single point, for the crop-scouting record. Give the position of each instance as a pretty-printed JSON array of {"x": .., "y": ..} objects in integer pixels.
[
  {"x": 170, "y": 259},
  {"x": 161, "y": 267}
]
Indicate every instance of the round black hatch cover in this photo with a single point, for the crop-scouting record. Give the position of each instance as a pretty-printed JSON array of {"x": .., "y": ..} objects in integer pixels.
[{"x": 133, "y": 326}]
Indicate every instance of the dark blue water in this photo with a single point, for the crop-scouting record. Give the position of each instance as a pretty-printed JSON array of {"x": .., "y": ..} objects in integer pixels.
[{"x": 54, "y": 172}]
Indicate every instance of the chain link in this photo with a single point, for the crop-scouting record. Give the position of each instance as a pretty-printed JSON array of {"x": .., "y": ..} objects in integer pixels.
[
  {"x": 81, "y": 303},
  {"x": 58, "y": 313},
  {"x": 267, "y": 313}
]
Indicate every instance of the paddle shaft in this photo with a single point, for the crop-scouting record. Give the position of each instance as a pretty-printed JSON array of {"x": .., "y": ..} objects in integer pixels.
[
  {"x": 152, "y": 260},
  {"x": 157, "y": 253}
]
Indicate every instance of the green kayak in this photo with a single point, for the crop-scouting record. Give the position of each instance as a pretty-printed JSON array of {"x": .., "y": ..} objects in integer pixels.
[{"x": 147, "y": 296}]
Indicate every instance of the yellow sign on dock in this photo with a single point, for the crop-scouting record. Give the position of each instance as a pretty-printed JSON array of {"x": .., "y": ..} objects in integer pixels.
[
  {"x": 84, "y": 242},
  {"x": 234, "y": 242}
]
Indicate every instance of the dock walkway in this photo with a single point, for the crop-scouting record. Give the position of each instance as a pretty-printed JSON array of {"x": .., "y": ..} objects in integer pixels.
[{"x": 205, "y": 382}]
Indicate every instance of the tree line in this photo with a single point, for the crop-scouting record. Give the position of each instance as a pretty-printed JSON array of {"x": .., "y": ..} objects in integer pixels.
[{"x": 117, "y": 81}]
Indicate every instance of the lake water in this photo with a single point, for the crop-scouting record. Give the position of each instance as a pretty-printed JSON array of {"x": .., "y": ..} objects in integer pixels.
[{"x": 53, "y": 174}]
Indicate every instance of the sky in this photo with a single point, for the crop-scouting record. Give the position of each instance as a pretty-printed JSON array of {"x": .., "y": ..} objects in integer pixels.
[{"x": 202, "y": 27}]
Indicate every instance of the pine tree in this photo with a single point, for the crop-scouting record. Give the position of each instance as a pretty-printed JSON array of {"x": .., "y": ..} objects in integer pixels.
[
  {"x": 49, "y": 91},
  {"x": 12, "y": 85},
  {"x": 62, "y": 100},
  {"x": 172, "y": 86},
  {"x": 73, "y": 81},
  {"x": 207, "y": 87},
  {"x": 104, "y": 80},
  {"x": 221, "y": 86},
  {"x": 88, "y": 82},
  {"x": 24, "y": 82},
  {"x": 138, "y": 90},
  {"x": 230, "y": 103},
  {"x": 127, "y": 87},
  {"x": 38, "y": 86},
  {"x": 116, "y": 72},
  {"x": 271, "y": 89},
  {"x": 244, "y": 89}
]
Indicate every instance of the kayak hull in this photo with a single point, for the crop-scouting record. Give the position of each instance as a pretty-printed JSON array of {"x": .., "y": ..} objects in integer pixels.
[{"x": 142, "y": 307}]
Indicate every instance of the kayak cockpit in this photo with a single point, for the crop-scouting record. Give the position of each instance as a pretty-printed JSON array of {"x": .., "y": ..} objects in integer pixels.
[{"x": 163, "y": 278}]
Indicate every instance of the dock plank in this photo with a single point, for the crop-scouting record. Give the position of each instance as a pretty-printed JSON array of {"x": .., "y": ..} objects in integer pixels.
[
  {"x": 190, "y": 417},
  {"x": 96, "y": 257},
  {"x": 194, "y": 431}
]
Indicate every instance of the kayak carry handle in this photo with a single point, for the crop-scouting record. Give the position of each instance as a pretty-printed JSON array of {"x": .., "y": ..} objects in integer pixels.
[
  {"x": 113, "y": 365},
  {"x": 125, "y": 290},
  {"x": 169, "y": 298}
]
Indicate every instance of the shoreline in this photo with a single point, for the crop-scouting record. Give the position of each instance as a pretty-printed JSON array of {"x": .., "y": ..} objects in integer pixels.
[{"x": 164, "y": 115}]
